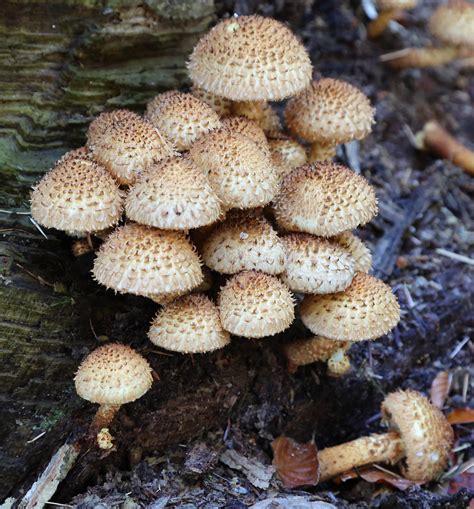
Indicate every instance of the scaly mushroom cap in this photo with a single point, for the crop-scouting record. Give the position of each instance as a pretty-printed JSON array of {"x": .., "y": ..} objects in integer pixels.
[
  {"x": 181, "y": 117},
  {"x": 426, "y": 434},
  {"x": 250, "y": 58},
  {"x": 255, "y": 305},
  {"x": 359, "y": 251},
  {"x": 395, "y": 5},
  {"x": 190, "y": 324},
  {"x": 324, "y": 199},
  {"x": 173, "y": 194},
  {"x": 144, "y": 261},
  {"x": 454, "y": 23},
  {"x": 330, "y": 111},
  {"x": 261, "y": 113},
  {"x": 287, "y": 154},
  {"x": 316, "y": 265},
  {"x": 221, "y": 105},
  {"x": 244, "y": 242},
  {"x": 317, "y": 348},
  {"x": 126, "y": 144},
  {"x": 77, "y": 195},
  {"x": 248, "y": 128},
  {"x": 239, "y": 171},
  {"x": 113, "y": 374}
]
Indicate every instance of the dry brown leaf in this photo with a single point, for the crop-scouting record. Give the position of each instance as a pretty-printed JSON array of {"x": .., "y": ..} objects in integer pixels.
[
  {"x": 296, "y": 464},
  {"x": 440, "y": 388},
  {"x": 375, "y": 476},
  {"x": 461, "y": 416}
]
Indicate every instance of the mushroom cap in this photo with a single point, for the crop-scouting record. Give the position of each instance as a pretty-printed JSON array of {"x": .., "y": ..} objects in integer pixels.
[
  {"x": 287, "y": 154},
  {"x": 77, "y": 195},
  {"x": 324, "y": 199},
  {"x": 173, "y": 194},
  {"x": 359, "y": 251},
  {"x": 181, "y": 117},
  {"x": 221, "y": 105},
  {"x": 142, "y": 260},
  {"x": 367, "y": 309},
  {"x": 190, "y": 324},
  {"x": 330, "y": 111},
  {"x": 453, "y": 23},
  {"x": 316, "y": 265},
  {"x": 389, "y": 5},
  {"x": 254, "y": 305},
  {"x": 126, "y": 144},
  {"x": 244, "y": 242},
  {"x": 250, "y": 58},
  {"x": 248, "y": 128},
  {"x": 317, "y": 348},
  {"x": 241, "y": 174},
  {"x": 261, "y": 112},
  {"x": 113, "y": 374},
  {"x": 426, "y": 433}
]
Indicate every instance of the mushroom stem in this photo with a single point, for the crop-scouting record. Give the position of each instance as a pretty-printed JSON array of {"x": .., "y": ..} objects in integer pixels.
[
  {"x": 104, "y": 416},
  {"x": 376, "y": 27},
  {"x": 386, "y": 447},
  {"x": 437, "y": 140},
  {"x": 321, "y": 152},
  {"x": 420, "y": 57},
  {"x": 339, "y": 363}
]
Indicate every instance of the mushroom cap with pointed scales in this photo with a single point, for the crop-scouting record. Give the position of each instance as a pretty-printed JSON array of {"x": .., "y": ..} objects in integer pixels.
[
  {"x": 330, "y": 111},
  {"x": 454, "y": 23},
  {"x": 248, "y": 128},
  {"x": 221, "y": 105},
  {"x": 181, "y": 117},
  {"x": 317, "y": 348},
  {"x": 324, "y": 199},
  {"x": 254, "y": 305},
  {"x": 426, "y": 433},
  {"x": 261, "y": 112},
  {"x": 287, "y": 154},
  {"x": 316, "y": 265},
  {"x": 142, "y": 260},
  {"x": 190, "y": 324},
  {"x": 113, "y": 374},
  {"x": 359, "y": 251},
  {"x": 367, "y": 309},
  {"x": 250, "y": 58},
  {"x": 173, "y": 194}
]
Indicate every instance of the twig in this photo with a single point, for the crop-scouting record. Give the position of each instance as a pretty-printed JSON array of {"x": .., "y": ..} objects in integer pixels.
[
  {"x": 19, "y": 212},
  {"x": 459, "y": 347},
  {"x": 38, "y": 227},
  {"x": 36, "y": 438},
  {"x": 455, "y": 256}
]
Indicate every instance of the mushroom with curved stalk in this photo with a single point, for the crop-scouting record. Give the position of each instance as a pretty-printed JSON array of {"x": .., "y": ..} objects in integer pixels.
[{"x": 389, "y": 10}]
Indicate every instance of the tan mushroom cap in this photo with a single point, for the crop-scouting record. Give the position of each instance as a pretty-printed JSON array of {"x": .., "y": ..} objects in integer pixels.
[
  {"x": 306, "y": 351},
  {"x": 398, "y": 5},
  {"x": 248, "y": 128},
  {"x": 254, "y": 305},
  {"x": 316, "y": 265},
  {"x": 426, "y": 434},
  {"x": 77, "y": 195},
  {"x": 244, "y": 242},
  {"x": 324, "y": 199},
  {"x": 250, "y": 58},
  {"x": 181, "y": 117},
  {"x": 359, "y": 251},
  {"x": 454, "y": 23},
  {"x": 261, "y": 112},
  {"x": 113, "y": 374},
  {"x": 367, "y": 309},
  {"x": 287, "y": 154},
  {"x": 221, "y": 105},
  {"x": 241, "y": 174},
  {"x": 190, "y": 324},
  {"x": 126, "y": 144},
  {"x": 330, "y": 111},
  {"x": 144, "y": 261},
  {"x": 173, "y": 194}
]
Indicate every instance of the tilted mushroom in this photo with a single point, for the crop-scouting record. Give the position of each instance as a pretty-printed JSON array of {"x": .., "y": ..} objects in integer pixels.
[
  {"x": 287, "y": 154},
  {"x": 388, "y": 11},
  {"x": 248, "y": 128},
  {"x": 221, "y": 105},
  {"x": 420, "y": 436},
  {"x": 327, "y": 113},
  {"x": 261, "y": 112},
  {"x": 359, "y": 251}
]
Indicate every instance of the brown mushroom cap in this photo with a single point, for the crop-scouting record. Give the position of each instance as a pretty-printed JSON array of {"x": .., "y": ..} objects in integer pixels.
[
  {"x": 398, "y": 5},
  {"x": 244, "y": 242},
  {"x": 255, "y": 305},
  {"x": 261, "y": 113},
  {"x": 317, "y": 348},
  {"x": 454, "y": 23},
  {"x": 113, "y": 374},
  {"x": 367, "y": 309},
  {"x": 241, "y": 174},
  {"x": 287, "y": 154},
  {"x": 181, "y": 117},
  {"x": 324, "y": 199},
  {"x": 190, "y": 324},
  {"x": 330, "y": 111},
  {"x": 126, "y": 144},
  {"x": 427, "y": 435},
  {"x": 359, "y": 251},
  {"x": 144, "y": 261},
  {"x": 250, "y": 58},
  {"x": 248, "y": 128},
  {"x": 221, "y": 105},
  {"x": 316, "y": 265},
  {"x": 77, "y": 195},
  {"x": 173, "y": 194}
]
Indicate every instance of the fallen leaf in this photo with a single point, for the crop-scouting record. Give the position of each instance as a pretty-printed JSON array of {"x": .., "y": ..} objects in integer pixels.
[
  {"x": 461, "y": 416},
  {"x": 374, "y": 475},
  {"x": 296, "y": 464},
  {"x": 464, "y": 480},
  {"x": 257, "y": 473},
  {"x": 440, "y": 388}
]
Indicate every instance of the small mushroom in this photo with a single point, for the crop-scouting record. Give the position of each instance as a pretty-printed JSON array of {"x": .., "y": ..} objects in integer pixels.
[
  {"x": 287, "y": 154},
  {"x": 221, "y": 105},
  {"x": 359, "y": 251},
  {"x": 261, "y": 113},
  {"x": 420, "y": 436},
  {"x": 248, "y": 128},
  {"x": 388, "y": 10}
]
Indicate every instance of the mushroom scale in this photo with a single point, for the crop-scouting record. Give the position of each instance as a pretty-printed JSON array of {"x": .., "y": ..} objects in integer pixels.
[
  {"x": 287, "y": 154},
  {"x": 359, "y": 251},
  {"x": 221, "y": 105},
  {"x": 248, "y": 128}
]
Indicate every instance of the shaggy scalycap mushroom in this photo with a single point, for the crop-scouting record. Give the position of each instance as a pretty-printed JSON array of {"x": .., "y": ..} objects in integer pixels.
[
  {"x": 359, "y": 251},
  {"x": 190, "y": 324},
  {"x": 77, "y": 195},
  {"x": 454, "y": 23},
  {"x": 241, "y": 174},
  {"x": 316, "y": 265},
  {"x": 254, "y": 305},
  {"x": 324, "y": 199},
  {"x": 287, "y": 154},
  {"x": 126, "y": 144},
  {"x": 221, "y": 105},
  {"x": 243, "y": 241},
  {"x": 261, "y": 113},
  {"x": 173, "y": 194},
  {"x": 145, "y": 261},
  {"x": 181, "y": 117},
  {"x": 248, "y": 128},
  {"x": 250, "y": 58},
  {"x": 367, "y": 309}
]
